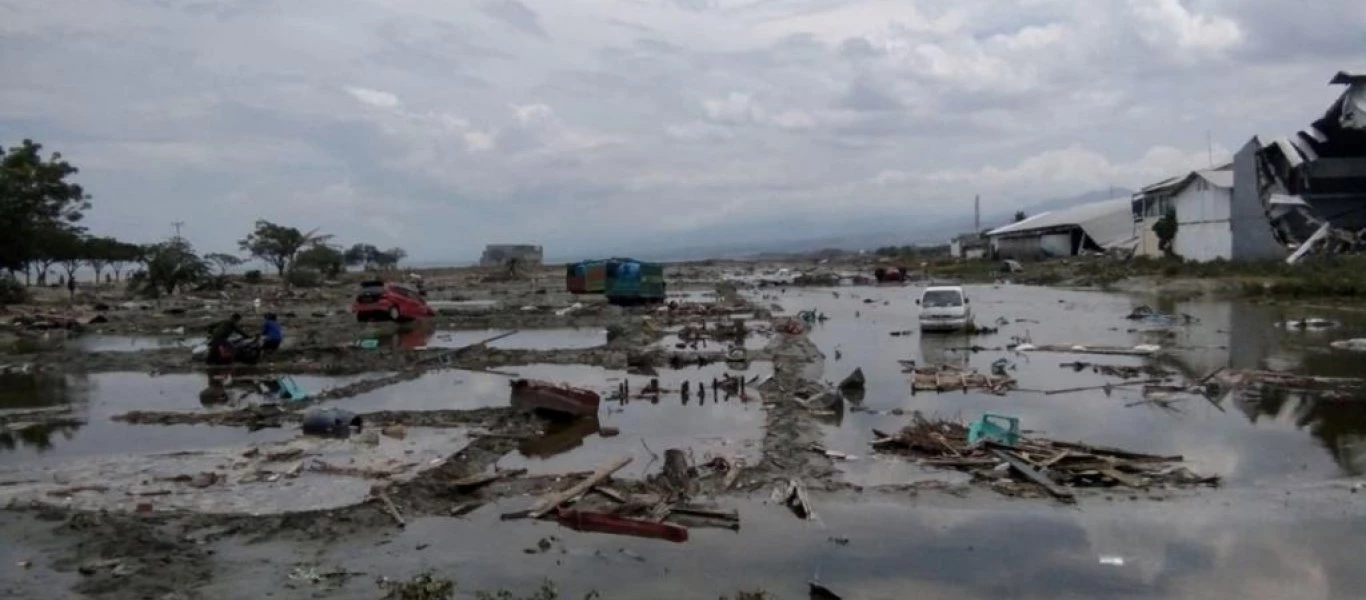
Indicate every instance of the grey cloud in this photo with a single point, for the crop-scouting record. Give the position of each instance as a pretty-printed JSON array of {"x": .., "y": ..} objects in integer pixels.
[
  {"x": 858, "y": 47},
  {"x": 844, "y": 92},
  {"x": 865, "y": 96},
  {"x": 516, "y": 14}
]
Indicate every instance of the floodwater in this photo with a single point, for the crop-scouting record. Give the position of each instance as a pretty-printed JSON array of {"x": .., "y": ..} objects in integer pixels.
[
  {"x": 128, "y": 343},
  {"x": 565, "y": 338},
  {"x": 729, "y": 426},
  {"x": 95, "y": 398},
  {"x": 758, "y": 337},
  {"x": 1274, "y": 441},
  {"x": 893, "y": 551}
]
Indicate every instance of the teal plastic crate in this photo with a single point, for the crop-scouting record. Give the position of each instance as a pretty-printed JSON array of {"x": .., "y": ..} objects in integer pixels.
[{"x": 1001, "y": 429}]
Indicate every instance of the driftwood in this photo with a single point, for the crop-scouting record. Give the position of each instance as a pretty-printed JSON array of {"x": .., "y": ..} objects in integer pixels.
[
  {"x": 1049, "y": 464},
  {"x": 555, "y": 500}
]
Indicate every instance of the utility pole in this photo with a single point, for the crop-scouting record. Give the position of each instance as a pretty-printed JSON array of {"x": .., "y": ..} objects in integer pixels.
[
  {"x": 977, "y": 213},
  {"x": 177, "y": 225},
  {"x": 1209, "y": 147}
]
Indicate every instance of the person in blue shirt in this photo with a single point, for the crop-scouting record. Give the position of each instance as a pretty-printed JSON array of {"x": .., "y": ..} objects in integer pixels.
[{"x": 272, "y": 334}]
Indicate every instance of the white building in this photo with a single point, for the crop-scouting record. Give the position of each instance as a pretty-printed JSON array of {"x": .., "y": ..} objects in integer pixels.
[{"x": 1202, "y": 201}]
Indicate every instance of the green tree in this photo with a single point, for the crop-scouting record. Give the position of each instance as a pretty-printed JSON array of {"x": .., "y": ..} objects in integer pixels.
[
  {"x": 389, "y": 259},
  {"x": 361, "y": 255},
  {"x": 99, "y": 253},
  {"x": 35, "y": 195},
  {"x": 1020, "y": 216},
  {"x": 325, "y": 259},
  {"x": 68, "y": 248},
  {"x": 279, "y": 245},
  {"x": 223, "y": 261},
  {"x": 1165, "y": 229},
  {"x": 122, "y": 254},
  {"x": 169, "y": 266}
]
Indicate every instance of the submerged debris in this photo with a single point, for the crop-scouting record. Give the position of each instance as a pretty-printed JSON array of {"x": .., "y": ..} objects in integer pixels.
[
  {"x": 945, "y": 378},
  {"x": 1034, "y": 462}
]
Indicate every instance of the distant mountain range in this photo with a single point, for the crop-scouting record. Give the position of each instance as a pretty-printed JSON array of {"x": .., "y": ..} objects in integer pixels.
[{"x": 857, "y": 233}]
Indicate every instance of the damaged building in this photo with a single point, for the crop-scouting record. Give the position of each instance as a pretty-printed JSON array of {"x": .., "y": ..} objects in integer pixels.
[
  {"x": 1318, "y": 174},
  {"x": 502, "y": 255},
  {"x": 1095, "y": 227}
]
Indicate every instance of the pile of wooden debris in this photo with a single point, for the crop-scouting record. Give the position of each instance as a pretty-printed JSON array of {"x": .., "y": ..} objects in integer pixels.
[
  {"x": 947, "y": 378},
  {"x": 1051, "y": 465}
]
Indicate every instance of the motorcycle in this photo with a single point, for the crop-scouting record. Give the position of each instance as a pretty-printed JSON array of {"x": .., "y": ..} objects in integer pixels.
[{"x": 245, "y": 351}]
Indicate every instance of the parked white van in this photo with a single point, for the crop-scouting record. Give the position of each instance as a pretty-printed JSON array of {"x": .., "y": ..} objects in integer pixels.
[{"x": 944, "y": 308}]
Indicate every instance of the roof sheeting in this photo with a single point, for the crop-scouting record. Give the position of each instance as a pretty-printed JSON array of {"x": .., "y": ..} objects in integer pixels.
[{"x": 1109, "y": 223}]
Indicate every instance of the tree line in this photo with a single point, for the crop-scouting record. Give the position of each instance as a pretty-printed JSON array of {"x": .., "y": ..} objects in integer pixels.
[{"x": 41, "y": 211}]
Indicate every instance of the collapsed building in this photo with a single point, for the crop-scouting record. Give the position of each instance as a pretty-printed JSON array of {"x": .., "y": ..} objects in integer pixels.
[
  {"x": 503, "y": 255},
  {"x": 1315, "y": 178},
  {"x": 1095, "y": 227}
]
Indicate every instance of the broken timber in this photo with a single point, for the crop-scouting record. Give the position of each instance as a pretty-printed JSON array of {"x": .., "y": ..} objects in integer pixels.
[
  {"x": 552, "y": 502},
  {"x": 1034, "y": 475},
  {"x": 947, "y": 379}
]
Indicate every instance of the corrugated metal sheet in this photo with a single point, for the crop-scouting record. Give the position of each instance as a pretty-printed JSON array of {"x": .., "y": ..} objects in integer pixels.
[{"x": 1108, "y": 223}]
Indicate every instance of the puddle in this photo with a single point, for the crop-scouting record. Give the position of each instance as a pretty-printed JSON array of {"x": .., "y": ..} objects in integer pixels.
[
  {"x": 730, "y": 427},
  {"x": 95, "y": 398},
  {"x": 303, "y": 473},
  {"x": 127, "y": 343},
  {"x": 525, "y": 339},
  {"x": 1290, "y": 438},
  {"x": 754, "y": 340}
]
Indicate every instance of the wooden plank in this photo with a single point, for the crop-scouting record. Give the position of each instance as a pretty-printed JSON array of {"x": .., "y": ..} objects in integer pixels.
[
  {"x": 390, "y": 508},
  {"x": 610, "y": 494},
  {"x": 703, "y": 511},
  {"x": 733, "y": 474},
  {"x": 1105, "y": 386},
  {"x": 550, "y": 503},
  {"x": 1116, "y": 452},
  {"x": 1114, "y": 474},
  {"x": 1034, "y": 475}
]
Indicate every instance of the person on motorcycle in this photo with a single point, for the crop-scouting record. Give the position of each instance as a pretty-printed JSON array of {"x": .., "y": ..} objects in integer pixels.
[
  {"x": 220, "y": 338},
  {"x": 272, "y": 334}
]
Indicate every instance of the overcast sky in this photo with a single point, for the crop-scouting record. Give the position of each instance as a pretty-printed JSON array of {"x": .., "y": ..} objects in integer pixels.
[{"x": 442, "y": 125}]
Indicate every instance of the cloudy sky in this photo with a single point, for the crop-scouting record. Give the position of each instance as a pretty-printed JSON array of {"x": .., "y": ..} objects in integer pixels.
[{"x": 442, "y": 125}]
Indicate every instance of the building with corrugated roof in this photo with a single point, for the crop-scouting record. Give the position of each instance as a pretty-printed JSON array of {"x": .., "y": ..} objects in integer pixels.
[
  {"x": 1203, "y": 202},
  {"x": 1095, "y": 227}
]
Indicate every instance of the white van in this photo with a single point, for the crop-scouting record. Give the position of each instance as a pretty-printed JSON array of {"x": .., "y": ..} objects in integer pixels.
[{"x": 944, "y": 308}]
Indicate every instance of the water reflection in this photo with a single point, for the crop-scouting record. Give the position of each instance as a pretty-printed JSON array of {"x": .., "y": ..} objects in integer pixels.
[{"x": 1277, "y": 438}]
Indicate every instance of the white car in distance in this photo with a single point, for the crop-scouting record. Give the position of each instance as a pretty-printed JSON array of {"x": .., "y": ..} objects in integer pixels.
[{"x": 944, "y": 308}]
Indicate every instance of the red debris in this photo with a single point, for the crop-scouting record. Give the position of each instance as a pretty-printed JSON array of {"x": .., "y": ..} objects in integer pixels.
[{"x": 579, "y": 520}]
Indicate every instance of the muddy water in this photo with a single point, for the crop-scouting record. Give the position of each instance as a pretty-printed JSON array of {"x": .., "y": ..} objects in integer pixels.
[
  {"x": 127, "y": 343},
  {"x": 523, "y": 339},
  {"x": 758, "y": 337},
  {"x": 1289, "y": 439},
  {"x": 730, "y": 426},
  {"x": 1173, "y": 550},
  {"x": 95, "y": 398}
]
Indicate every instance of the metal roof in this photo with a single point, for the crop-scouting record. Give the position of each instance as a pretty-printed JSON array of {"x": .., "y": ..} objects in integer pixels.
[{"x": 1108, "y": 222}]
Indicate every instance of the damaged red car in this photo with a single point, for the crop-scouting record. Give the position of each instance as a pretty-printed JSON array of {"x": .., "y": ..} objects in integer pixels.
[{"x": 383, "y": 301}]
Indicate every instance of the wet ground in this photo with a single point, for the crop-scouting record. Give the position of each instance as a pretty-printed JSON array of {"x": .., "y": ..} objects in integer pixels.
[{"x": 1285, "y": 523}]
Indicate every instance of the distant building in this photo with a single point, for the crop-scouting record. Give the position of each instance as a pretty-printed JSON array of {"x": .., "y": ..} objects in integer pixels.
[
  {"x": 502, "y": 255},
  {"x": 969, "y": 246},
  {"x": 1095, "y": 227}
]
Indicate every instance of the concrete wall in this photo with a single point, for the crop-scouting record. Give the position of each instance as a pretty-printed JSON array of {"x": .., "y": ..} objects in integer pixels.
[{"x": 1203, "y": 231}]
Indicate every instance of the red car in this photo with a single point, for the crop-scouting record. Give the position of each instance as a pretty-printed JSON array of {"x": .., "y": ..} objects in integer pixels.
[{"x": 381, "y": 301}]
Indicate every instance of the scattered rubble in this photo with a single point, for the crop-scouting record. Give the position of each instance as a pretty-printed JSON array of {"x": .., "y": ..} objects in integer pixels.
[{"x": 1034, "y": 463}]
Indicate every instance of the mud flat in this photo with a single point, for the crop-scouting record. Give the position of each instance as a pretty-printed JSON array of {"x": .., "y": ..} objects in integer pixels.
[{"x": 715, "y": 462}]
